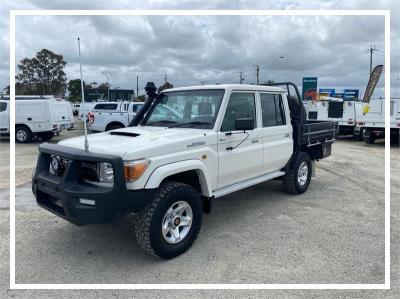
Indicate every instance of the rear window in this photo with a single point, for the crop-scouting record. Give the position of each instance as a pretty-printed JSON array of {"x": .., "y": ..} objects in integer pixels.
[
  {"x": 105, "y": 106},
  {"x": 3, "y": 106},
  {"x": 136, "y": 108}
]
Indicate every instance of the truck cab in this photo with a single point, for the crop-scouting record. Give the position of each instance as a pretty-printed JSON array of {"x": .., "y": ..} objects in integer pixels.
[{"x": 186, "y": 147}]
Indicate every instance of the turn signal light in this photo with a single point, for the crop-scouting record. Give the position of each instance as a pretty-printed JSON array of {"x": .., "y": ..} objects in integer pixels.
[{"x": 134, "y": 170}]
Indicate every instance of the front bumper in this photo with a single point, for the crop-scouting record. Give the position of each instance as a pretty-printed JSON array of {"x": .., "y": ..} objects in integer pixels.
[{"x": 60, "y": 194}]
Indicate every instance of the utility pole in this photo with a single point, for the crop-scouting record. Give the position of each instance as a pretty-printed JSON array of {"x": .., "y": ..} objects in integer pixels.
[
  {"x": 137, "y": 86},
  {"x": 165, "y": 78},
  {"x": 371, "y": 51},
  {"x": 257, "y": 73},
  {"x": 241, "y": 78},
  {"x": 108, "y": 85}
]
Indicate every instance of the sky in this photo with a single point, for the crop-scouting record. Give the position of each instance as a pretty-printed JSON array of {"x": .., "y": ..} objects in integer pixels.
[{"x": 193, "y": 50}]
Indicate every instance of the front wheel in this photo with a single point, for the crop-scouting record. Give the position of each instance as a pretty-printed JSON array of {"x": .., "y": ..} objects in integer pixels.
[
  {"x": 170, "y": 223},
  {"x": 297, "y": 180},
  {"x": 23, "y": 134}
]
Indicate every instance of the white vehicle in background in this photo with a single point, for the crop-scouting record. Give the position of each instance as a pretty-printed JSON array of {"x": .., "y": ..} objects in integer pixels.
[
  {"x": 372, "y": 125},
  {"x": 64, "y": 114},
  {"x": 33, "y": 118},
  {"x": 345, "y": 112},
  {"x": 75, "y": 108},
  {"x": 88, "y": 107},
  {"x": 107, "y": 116}
]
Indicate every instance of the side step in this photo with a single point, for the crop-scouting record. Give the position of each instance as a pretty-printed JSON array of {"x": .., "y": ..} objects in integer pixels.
[{"x": 246, "y": 184}]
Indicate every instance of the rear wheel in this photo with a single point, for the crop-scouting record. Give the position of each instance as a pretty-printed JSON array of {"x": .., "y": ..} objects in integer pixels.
[
  {"x": 170, "y": 223},
  {"x": 297, "y": 180},
  {"x": 370, "y": 139},
  {"x": 23, "y": 134}
]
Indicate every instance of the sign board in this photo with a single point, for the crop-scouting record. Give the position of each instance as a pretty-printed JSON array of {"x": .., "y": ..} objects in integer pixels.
[
  {"x": 330, "y": 92},
  {"x": 309, "y": 88},
  {"x": 350, "y": 94}
]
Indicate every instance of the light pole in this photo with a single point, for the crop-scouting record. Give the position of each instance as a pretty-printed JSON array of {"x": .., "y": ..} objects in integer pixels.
[{"x": 108, "y": 85}]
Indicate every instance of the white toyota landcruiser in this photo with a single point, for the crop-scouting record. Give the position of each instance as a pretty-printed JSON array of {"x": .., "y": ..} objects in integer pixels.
[{"x": 168, "y": 167}]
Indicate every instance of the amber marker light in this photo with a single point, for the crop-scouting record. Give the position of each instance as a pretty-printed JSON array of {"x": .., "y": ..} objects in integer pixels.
[{"x": 134, "y": 170}]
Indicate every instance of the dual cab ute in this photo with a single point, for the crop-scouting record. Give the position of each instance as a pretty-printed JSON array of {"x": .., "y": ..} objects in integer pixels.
[{"x": 168, "y": 167}]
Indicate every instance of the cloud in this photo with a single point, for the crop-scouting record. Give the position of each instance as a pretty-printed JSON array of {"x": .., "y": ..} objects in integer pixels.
[{"x": 212, "y": 49}]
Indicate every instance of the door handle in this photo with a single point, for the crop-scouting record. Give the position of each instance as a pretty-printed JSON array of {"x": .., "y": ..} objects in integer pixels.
[
  {"x": 254, "y": 141},
  {"x": 287, "y": 135},
  {"x": 29, "y": 118}
]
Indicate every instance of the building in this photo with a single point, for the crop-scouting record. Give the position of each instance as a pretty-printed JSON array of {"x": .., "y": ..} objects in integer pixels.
[{"x": 94, "y": 94}]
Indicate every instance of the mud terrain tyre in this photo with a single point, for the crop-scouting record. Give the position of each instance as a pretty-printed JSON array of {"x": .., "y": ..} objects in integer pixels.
[{"x": 170, "y": 223}]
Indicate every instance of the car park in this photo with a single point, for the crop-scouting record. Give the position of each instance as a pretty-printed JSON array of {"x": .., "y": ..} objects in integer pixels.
[{"x": 169, "y": 170}]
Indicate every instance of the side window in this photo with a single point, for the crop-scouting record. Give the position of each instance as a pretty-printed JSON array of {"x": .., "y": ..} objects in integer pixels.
[
  {"x": 240, "y": 105},
  {"x": 3, "y": 106},
  {"x": 273, "y": 111},
  {"x": 106, "y": 106}
]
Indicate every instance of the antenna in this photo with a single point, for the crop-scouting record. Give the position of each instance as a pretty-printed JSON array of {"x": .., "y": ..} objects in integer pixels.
[{"x": 83, "y": 98}]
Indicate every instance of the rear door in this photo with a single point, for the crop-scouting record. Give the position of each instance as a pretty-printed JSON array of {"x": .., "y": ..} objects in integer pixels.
[
  {"x": 240, "y": 155},
  {"x": 277, "y": 131}
]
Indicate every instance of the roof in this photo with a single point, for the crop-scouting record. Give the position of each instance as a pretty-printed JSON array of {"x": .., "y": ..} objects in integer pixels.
[{"x": 230, "y": 87}]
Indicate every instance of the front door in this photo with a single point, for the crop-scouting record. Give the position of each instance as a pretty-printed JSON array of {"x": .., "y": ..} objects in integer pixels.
[{"x": 240, "y": 154}]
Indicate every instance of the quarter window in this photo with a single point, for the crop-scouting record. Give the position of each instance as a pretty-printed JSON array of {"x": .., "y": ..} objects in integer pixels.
[
  {"x": 240, "y": 105},
  {"x": 273, "y": 112}
]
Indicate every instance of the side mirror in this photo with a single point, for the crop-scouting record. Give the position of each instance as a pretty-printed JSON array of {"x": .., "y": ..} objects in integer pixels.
[{"x": 244, "y": 124}]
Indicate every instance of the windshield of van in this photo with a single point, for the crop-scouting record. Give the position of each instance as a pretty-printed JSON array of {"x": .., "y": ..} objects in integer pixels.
[{"x": 186, "y": 109}]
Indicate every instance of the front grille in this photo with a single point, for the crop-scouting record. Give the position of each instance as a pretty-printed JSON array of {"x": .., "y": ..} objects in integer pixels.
[{"x": 88, "y": 171}]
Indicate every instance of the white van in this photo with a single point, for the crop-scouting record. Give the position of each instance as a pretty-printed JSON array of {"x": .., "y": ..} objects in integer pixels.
[
  {"x": 64, "y": 114},
  {"x": 33, "y": 118},
  {"x": 346, "y": 113}
]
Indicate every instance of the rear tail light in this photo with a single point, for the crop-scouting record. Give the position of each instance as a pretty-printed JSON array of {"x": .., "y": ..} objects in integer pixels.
[
  {"x": 55, "y": 126},
  {"x": 350, "y": 121},
  {"x": 360, "y": 123}
]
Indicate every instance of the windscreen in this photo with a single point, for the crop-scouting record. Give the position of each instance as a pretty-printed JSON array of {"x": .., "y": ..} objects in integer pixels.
[{"x": 188, "y": 108}]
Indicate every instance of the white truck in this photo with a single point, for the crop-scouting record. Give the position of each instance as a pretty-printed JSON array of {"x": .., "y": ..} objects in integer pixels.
[
  {"x": 107, "y": 116},
  {"x": 64, "y": 114},
  {"x": 371, "y": 126},
  {"x": 345, "y": 112},
  {"x": 33, "y": 118},
  {"x": 167, "y": 170}
]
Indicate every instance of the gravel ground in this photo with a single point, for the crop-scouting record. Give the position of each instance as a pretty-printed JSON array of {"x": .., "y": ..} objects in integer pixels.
[{"x": 334, "y": 233}]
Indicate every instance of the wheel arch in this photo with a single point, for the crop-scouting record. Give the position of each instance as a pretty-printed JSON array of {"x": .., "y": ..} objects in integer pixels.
[
  {"x": 114, "y": 123},
  {"x": 191, "y": 172},
  {"x": 23, "y": 125}
]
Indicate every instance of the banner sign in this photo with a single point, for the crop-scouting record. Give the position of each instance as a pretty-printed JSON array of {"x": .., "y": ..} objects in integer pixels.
[
  {"x": 350, "y": 94},
  {"x": 373, "y": 80},
  {"x": 309, "y": 88},
  {"x": 330, "y": 92}
]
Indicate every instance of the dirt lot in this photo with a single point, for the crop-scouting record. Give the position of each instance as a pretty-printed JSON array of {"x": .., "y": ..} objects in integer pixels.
[{"x": 334, "y": 233}]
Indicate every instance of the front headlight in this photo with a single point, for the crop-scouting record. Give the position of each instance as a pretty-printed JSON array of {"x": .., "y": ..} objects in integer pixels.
[
  {"x": 105, "y": 172},
  {"x": 134, "y": 169}
]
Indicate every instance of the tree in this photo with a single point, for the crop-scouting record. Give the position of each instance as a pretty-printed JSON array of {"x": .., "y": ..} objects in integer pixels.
[
  {"x": 74, "y": 89},
  {"x": 166, "y": 85},
  {"x": 42, "y": 74},
  {"x": 103, "y": 87}
]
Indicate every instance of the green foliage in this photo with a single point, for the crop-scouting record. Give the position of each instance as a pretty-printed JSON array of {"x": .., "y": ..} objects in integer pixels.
[{"x": 42, "y": 74}]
